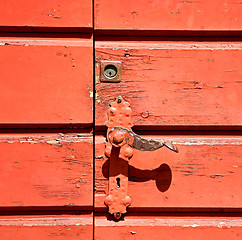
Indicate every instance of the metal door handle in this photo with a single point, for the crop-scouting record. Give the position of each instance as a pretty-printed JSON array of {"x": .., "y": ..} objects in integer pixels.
[
  {"x": 118, "y": 136},
  {"x": 119, "y": 149}
]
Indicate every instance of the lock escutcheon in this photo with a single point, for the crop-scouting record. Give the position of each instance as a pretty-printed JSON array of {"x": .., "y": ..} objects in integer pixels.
[
  {"x": 110, "y": 71},
  {"x": 119, "y": 149}
]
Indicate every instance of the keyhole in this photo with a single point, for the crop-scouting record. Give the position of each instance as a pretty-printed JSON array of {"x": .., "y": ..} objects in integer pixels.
[
  {"x": 110, "y": 71},
  {"x": 118, "y": 182}
]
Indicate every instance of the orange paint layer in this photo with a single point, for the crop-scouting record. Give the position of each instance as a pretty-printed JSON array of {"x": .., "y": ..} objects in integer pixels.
[
  {"x": 44, "y": 84},
  {"x": 46, "y": 172},
  {"x": 168, "y": 15}
]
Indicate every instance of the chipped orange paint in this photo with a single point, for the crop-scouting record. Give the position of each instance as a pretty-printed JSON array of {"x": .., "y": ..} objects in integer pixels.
[
  {"x": 197, "y": 178},
  {"x": 119, "y": 114},
  {"x": 47, "y": 227},
  {"x": 170, "y": 15},
  {"x": 46, "y": 170},
  {"x": 172, "y": 83},
  {"x": 46, "y": 14},
  {"x": 169, "y": 228},
  {"x": 171, "y": 86}
]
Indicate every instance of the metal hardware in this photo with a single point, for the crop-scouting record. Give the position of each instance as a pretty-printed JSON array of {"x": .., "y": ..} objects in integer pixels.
[
  {"x": 119, "y": 114},
  {"x": 110, "y": 71},
  {"x": 119, "y": 149},
  {"x": 119, "y": 136}
]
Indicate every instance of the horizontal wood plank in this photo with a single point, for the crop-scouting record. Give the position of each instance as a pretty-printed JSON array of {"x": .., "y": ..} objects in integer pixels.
[
  {"x": 43, "y": 170},
  {"x": 42, "y": 228},
  {"x": 180, "y": 228},
  {"x": 206, "y": 173},
  {"x": 52, "y": 13},
  {"x": 174, "y": 83},
  {"x": 168, "y": 15},
  {"x": 45, "y": 81}
]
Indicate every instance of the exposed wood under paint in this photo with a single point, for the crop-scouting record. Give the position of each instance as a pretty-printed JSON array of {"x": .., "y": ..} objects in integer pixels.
[
  {"x": 205, "y": 173},
  {"x": 173, "y": 84},
  {"x": 46, "y": 170},
  {"x": 46, "y": 221}
]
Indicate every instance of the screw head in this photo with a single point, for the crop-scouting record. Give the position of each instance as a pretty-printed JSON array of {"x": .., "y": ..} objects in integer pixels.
[
  {"x": 117, "y": 215},
  {"x": 145, "y": 114}
]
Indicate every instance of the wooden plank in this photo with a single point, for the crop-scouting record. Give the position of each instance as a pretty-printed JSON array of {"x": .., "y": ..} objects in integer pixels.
[
  {"x": 46, "y": 170},
  {"x": 206, "y": 173},
  {"x": 42, "y": 228},
  {"x": 168, "y": 15},
  {"x": 174, "y": 83},
  {"x": 53, "y": 13},
  {"x": 46, "y": 81},
  {"x": 179, "y": 228}
]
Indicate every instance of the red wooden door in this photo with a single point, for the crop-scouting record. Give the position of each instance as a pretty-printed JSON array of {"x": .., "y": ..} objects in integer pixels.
[
  {"x": 180, "y": 72},
  {"x": 46, "y": 119},
  {"x": 181, "y": 75}
]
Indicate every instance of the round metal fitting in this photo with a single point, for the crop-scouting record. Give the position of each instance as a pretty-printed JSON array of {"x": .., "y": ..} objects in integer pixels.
[
  {"x": 110, "y": 71},
  {"x": 118, "y": 138}
]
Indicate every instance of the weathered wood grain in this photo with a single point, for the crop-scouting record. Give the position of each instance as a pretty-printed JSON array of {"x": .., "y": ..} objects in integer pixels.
[
  {"x": 46, "y": 81},
  {"x": 46, "y": 170},
  {"x": 174, "y": 83},
  {"x": 42, "y": 228},
  {"x": 168, "y": 15},
  {"x": 206, "y": 173},
  {"x": 53, "y": 13},
  {"x": 167, "y": 228}
]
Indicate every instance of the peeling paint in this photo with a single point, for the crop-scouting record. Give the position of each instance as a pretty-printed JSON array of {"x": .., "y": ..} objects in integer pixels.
[
  {"x": 176, "y": 46},
  {"x": 45, "y": 42},
  {"x": 97, "y": 98},
  {"x": 97, "y": 79},
  {"x": 53, "y": 140},
  {"x": 193, "y": 225},
  {"x": 30, "y": 222},
  {"x": 173, "y": 222}
]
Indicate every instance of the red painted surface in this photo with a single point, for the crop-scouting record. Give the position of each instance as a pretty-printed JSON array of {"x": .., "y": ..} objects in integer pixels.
[
  {"x": 174, "y": 83},
  {"x": 49, "y": 227},
  {"x": 166, "y": 228},
  {"x": 46, "y": 81},
  {"x": 168, "y": 15},
  {"x": 46, "y": 170},
  {"x": 170, "y": 82},
  {"x": 46, "y": 13},
  {"x": 205, "y": 173}
]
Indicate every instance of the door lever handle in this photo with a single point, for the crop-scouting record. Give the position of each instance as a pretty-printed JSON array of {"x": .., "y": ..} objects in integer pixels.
[
  {"x": 119, "y": 149},
  {"x": 118, "y": 136}
]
